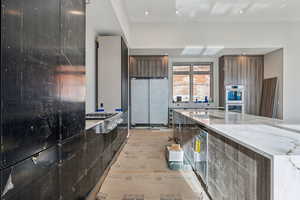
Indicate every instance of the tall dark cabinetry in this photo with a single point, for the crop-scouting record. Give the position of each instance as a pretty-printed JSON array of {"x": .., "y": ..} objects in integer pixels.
[
  {"x": 42, "y": 93},
  {"x": 123, "y": 128},
  {"x": 29, "y": 89},
  {"x": 124, "y": 76}
]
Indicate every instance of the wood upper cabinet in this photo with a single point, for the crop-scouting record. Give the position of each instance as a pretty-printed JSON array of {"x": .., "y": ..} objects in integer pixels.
[
  {"x": 148, "y": 66},
  {"x": 242, "y": 70}
]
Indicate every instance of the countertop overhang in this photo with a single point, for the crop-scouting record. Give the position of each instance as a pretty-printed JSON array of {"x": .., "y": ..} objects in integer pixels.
[{"x": 266, "y": 136}]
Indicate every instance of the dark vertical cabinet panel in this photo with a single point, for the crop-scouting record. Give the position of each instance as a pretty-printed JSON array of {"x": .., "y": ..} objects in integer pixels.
[
  {"x": 72, "y": 166},
  {"x": 124, "y": 76},
  {"x": 29, "y": 94},
  {"x": 84, "y": 158},
  {"x": 243, "y": 70},
  {"x": 96, "y": 145},
  {"x": 71, "y": 71},
  {"x": 33, "y": 178},
  {"x": 42, "y": 75},
  {"x": 123, "y": 127},
  {"x": 42, "y": 99}
]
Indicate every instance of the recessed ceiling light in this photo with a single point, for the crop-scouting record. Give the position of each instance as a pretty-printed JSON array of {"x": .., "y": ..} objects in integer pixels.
[
  {"x": 177, "y": 12},
  {"x": 146, "y": 12},
  {"x": 241, "y": 12}
]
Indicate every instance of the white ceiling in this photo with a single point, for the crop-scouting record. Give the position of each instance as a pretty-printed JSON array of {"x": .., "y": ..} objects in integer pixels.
[
  {"x": 164, "y": 11},
  {"x": 101, "y": 18},
  {"x": 195, "y": 51}
]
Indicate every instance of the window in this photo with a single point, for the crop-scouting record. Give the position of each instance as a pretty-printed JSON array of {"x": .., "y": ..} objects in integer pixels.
[
  {"x": 192, "y": 82},
  {"x": 181, "y": 88}
]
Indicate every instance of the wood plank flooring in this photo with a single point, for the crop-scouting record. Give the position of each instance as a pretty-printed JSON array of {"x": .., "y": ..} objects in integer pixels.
[{"x": 141, "y": 172}]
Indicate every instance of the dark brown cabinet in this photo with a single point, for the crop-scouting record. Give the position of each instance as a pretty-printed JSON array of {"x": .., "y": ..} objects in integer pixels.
[{"x": 124, "y": 76}]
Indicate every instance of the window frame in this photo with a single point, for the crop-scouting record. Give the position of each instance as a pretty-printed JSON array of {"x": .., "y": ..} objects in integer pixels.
[{"x": 191, "y": 73}]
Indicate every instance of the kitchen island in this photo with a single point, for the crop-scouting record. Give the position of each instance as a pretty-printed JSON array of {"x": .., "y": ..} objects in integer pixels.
[{"x": 246, "y": 156}]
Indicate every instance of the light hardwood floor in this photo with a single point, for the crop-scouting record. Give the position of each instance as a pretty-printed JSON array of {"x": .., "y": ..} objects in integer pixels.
[{"x": 141, "y": 172}]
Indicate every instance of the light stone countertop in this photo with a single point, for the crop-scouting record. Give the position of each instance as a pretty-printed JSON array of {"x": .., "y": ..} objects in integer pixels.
[
  {"x": 292, "y": 127},
  {"x": 274, "y": 139},
  {"x": 269, "y": 137},
  {"x": 92, "y": 123}
]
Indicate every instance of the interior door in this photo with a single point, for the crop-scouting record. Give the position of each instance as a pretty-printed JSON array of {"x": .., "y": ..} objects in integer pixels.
[
  {"x": 158, "y": 101},
  {"x": 139, "y": 101}
]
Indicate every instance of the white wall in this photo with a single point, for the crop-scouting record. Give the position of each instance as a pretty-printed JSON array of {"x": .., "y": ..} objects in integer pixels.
[
  {"x": 233, "y": 35},
  {"x": 273, "y": 67},
  {"x": 291, "y": 91},
  {"x": 100, "y": 20}
]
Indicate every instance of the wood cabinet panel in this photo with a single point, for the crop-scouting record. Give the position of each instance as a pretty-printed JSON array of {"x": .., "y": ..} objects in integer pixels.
[
  {"x": 148, "y": 66},
  {"x": 268, "y": 97},
  {"x": 235, "y": 172},
  {"x": 243, "y": 70}
]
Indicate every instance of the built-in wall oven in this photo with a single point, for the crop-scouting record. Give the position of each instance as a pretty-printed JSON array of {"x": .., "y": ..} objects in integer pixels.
[
  {"x": 235, "y": 98},
  {"x": 235, "y": 94}
]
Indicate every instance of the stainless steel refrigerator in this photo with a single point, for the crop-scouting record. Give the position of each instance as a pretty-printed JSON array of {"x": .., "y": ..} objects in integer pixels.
[{"x": 149, "y": 102}]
